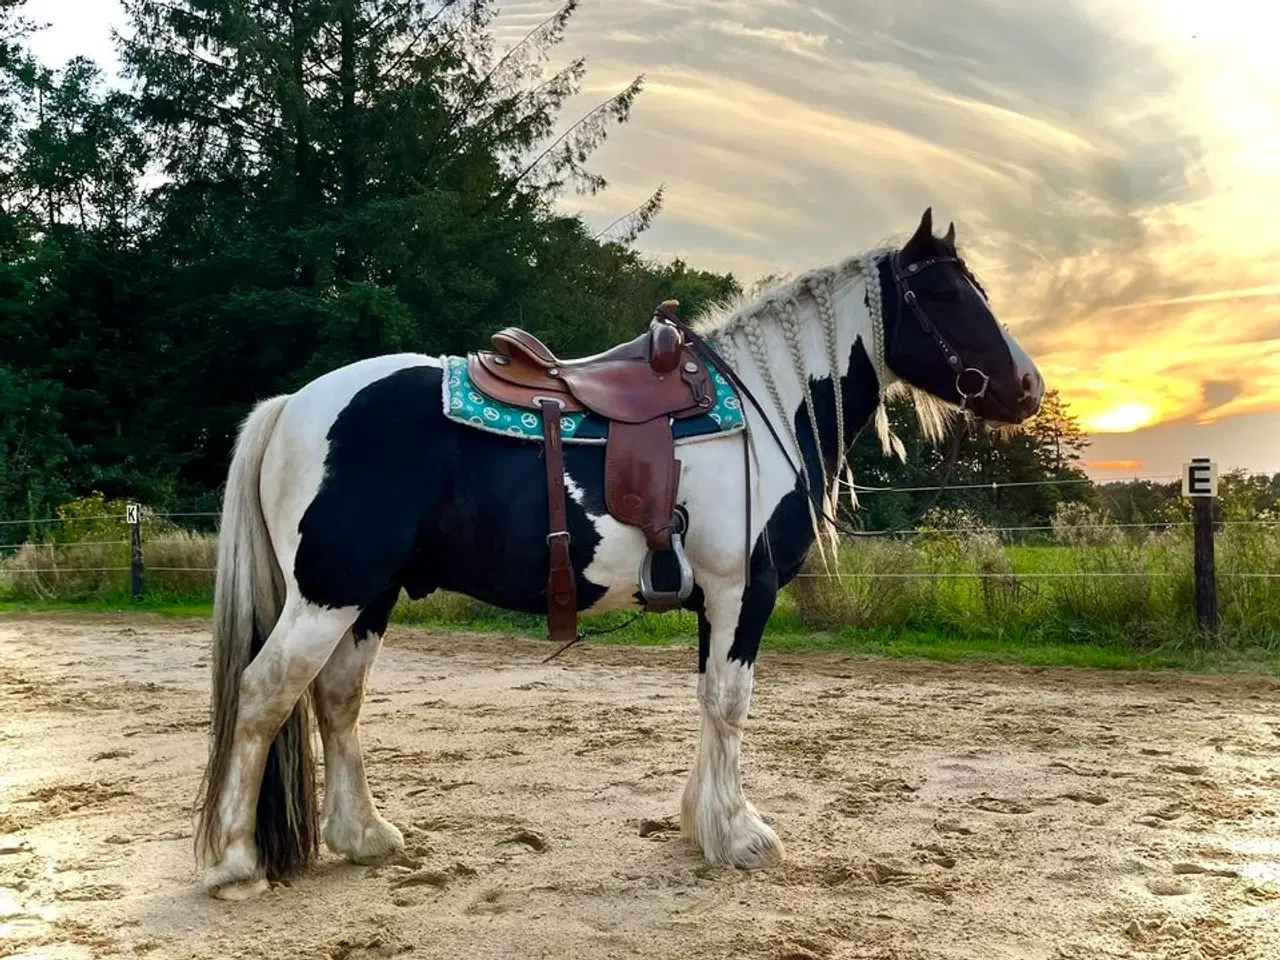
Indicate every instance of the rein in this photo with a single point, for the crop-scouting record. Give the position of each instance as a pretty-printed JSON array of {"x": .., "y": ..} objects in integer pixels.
[{"x": 951, "y": 355}]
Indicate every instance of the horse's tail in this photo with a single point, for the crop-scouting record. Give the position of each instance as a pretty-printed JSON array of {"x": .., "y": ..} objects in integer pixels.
[{"x": 248, "y": 596}]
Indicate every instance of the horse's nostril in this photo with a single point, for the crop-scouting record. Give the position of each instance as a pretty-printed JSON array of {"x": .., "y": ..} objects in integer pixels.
[{"x": 1027, "y": 382}]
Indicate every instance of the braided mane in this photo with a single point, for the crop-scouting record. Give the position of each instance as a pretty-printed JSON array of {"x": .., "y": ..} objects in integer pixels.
[{"x": 740, "y": 321}]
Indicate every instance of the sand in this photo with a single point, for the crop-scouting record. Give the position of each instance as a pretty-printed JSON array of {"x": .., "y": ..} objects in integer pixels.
[{"x": 929, "y": 811}]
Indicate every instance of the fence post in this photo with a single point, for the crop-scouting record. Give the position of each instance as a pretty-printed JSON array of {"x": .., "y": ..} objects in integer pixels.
[
  {"x": 133, "y": 516},
  {"x": 1200, "y": 484}
]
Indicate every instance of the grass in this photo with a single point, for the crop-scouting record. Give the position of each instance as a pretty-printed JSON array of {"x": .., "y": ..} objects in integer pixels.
[
  {"x": 1041, "y": 605},
  {"x": 787, "y": 633}
]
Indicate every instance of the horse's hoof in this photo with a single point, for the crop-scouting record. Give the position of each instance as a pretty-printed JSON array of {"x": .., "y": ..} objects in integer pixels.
[
  {"x": 237, "y": 875},
  {"x": 755, "y": 846},
  {"x": 741, "y": 840},
  {"x": 248, "y": 890},
  {"x": 372, "y": 843}
]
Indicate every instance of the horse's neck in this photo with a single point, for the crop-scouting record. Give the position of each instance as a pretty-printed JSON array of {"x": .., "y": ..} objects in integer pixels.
[{"x": 783, "y": 345}]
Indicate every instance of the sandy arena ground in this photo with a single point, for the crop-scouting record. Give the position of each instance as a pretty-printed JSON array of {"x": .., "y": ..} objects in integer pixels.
[{"x": 929, "y": 811}]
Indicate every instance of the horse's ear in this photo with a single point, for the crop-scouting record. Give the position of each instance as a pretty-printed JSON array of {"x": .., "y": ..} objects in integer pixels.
[
  {"x": 924, "y": 232},
  {"x": 950, "y": 238}
]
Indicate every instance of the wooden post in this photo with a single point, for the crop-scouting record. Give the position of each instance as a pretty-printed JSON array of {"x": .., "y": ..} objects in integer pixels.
[
  {"x": 133, "y": 516},
  {"x": 1200, "y": 484},
  {"x": 1206, "y": 578}
]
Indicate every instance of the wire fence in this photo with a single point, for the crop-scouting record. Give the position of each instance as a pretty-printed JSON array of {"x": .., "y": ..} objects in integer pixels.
[{"x": 45, "y": 553}]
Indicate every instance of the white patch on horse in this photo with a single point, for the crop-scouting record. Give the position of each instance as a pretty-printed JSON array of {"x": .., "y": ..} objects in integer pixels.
[
  {"x": 615, "y": 564},
  {"x": 1024, "y": 365}
]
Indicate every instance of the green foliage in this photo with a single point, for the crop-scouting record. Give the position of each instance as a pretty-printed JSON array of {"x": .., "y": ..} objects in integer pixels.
[
  {"x": 1048, "y": 447},
  {"x": 339, "y": 179},
  {"x": 97, "y": 518}
]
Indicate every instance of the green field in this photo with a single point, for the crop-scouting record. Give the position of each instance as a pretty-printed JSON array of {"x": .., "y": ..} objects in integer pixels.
[{"x": 1124, "y": 603}]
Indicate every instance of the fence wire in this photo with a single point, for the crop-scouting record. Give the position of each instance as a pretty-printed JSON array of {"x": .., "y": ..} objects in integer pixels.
[
  {"x": 931, "y": 531},
  {"x": 74, "y": 544},
  {"x": 860, "y": 489},
  {"x": 1033, "y": 575}
]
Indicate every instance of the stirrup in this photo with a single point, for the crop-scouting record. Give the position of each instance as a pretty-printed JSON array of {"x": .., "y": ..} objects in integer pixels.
[{"x": 660, "y": 601}]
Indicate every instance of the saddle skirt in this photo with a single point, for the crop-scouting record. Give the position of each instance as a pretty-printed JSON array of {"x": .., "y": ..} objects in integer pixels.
[{"x": 463, "y": 403}]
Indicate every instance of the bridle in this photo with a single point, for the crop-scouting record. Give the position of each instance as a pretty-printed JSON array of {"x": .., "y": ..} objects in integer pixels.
[{"x": 949, "y": 353}]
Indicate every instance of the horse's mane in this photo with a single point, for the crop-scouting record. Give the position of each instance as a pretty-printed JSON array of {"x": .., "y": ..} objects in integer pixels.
[
  {"x": 735, "y": 312},
  {"x": 726, "y": 317}
]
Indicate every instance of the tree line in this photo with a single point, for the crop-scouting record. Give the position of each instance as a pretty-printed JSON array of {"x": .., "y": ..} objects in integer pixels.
[{"x": 280, "y": 187}]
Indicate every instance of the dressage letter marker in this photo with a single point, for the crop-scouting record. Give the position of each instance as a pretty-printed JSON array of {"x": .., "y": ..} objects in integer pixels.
[
  {"x": 133, "y": 517},
  {"x": 1200, "y": 483},
  {"x": 1200, "y": 478}
]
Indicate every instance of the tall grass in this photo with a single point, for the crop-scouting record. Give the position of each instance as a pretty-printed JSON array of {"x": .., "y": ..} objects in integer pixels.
[
  {"x": 1134, "y": 590},
  {"x": 1096, "y": 584},
  {"x": 179, "y": 563}
]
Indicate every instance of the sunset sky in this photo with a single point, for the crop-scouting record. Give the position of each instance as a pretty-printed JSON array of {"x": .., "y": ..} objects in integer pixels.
[{"x": 1113, "y": 169}]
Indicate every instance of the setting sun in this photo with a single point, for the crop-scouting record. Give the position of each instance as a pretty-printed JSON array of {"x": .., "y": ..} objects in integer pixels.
[{"x": 1123, "y": 419}]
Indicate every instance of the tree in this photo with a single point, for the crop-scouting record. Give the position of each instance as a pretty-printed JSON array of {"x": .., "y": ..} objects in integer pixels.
[
  {"x": 1059, "y": 441},
  {"x": 1043, "y": 453},
  {"x": 353, "y": 177},
  {"x": 80, "y": 158}
]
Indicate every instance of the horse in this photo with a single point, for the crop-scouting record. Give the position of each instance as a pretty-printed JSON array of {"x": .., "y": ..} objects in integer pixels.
[{"x": 359, "y": 485}]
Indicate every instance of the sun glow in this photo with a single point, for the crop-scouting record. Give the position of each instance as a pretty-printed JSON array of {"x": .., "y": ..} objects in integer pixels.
[{"x": 1122, "y": 419}]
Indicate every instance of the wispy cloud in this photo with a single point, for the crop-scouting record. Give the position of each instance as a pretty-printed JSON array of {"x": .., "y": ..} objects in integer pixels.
[
  {"x": 1106, "y": 167},
  {"x": 810, "y": 46},
  {"x": 1112, "y": 170}
]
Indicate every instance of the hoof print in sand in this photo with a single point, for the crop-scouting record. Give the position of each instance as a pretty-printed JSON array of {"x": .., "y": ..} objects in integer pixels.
[
  {"x": 999, "y": 805},
  {"x": 528, "y": 838}
]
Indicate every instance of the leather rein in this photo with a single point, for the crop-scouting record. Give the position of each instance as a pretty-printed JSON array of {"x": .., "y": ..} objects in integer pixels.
[{"x": 977, "y": 379}]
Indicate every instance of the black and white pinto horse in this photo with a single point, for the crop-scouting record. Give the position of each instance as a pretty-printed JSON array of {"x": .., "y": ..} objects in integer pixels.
[{"x": 358, "y": 486}]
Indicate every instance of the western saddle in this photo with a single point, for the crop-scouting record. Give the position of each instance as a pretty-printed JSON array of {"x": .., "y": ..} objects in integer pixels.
[{"x": 639, "y": 387}]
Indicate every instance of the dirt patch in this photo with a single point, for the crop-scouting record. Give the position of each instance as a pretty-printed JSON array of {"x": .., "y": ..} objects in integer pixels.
[{"x": 930, "y": 812}]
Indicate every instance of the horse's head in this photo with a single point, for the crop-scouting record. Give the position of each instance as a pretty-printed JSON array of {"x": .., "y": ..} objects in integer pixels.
[{"x": 942, "y": 337}]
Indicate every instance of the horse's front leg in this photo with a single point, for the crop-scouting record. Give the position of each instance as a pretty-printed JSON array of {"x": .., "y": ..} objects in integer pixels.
[{"x": 715, "y": 813}]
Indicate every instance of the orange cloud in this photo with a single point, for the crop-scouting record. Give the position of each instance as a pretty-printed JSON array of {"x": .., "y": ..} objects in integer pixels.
[{"x": 1128, "y": 466}]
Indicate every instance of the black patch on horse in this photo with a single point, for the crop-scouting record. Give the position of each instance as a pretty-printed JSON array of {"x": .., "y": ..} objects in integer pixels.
[
  {"x": 781, "y": 548},
  {"x": 410, "y": 499}
]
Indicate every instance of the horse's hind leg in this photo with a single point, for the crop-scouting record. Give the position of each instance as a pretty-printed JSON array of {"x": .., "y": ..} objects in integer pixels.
[
  {"x": 352, "y": 825},
  {"x": 301, "y": 642}
]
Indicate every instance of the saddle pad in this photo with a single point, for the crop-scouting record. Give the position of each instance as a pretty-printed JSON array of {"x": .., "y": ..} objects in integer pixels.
[{"x": 467, "y": 405}]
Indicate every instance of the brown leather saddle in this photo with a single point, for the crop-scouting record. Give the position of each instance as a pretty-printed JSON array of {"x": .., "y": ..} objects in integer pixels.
[{"x": 640, "y": 387}]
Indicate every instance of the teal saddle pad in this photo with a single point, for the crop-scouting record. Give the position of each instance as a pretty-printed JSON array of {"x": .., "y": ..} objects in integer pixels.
[{"x": 467, "y": 405}]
